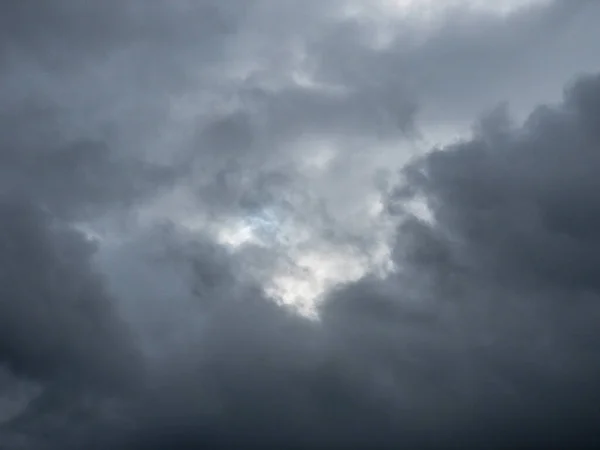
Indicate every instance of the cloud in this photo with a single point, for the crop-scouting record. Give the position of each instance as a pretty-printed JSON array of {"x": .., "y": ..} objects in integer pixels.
[
  {"x": 135, "y": 134},
  {"x": 512, "y": 246},
  {"x": 482, "y": 335},
  {"x": 60, "y": 333},
  {"x": 485, "y": 333}
]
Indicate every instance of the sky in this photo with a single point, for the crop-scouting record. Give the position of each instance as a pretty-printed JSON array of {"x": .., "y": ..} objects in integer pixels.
[{"x": 299, "y": 223}]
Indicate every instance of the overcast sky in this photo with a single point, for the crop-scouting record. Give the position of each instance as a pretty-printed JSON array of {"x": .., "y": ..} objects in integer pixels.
[{"x": 299, "y": 223}]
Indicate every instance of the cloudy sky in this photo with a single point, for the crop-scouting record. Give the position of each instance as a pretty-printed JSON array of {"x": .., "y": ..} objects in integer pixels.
[{"x": 301, "y": 223}]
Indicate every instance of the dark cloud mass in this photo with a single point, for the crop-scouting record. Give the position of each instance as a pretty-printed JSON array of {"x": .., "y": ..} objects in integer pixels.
[{"x": 164, "y": 165}]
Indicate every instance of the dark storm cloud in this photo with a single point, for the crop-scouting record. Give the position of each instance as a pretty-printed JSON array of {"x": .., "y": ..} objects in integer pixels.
[
  {"x": 513, "y": 246},
  {"x": 60, "y": 335},
  {"x": 523, "y": 201},
  {"x": 56, "y": 319},
  {"x": 484, "y": 335},
  {"x": 495, "y": 269},
  {"x": 486, "y": 332}
]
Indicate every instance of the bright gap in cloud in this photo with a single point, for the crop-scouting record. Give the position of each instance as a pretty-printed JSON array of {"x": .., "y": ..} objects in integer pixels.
[
  {"x": 309, "y": 271},
  {"x": 313, "y": 270}
]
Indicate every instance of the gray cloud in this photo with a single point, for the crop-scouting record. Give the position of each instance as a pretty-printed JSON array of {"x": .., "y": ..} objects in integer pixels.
[
  {"x": 485, "y": 334},
  {"x": 60, "y": 334},
  {"x": 52, "y": 300},
  {"x": 468, "y": 62},
  {"x": 472, "y": 340},
  {"x": 157, "y": 336},
  {"x": 68, "y": 32},
  {"x": 513, "y": 245}
]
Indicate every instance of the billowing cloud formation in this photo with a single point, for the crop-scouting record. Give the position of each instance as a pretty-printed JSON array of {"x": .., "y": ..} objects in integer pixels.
[
  {"x": 60, "y": 334},
  {"x": 485, "y": 334},
  {"x": 164, "y": 167}
]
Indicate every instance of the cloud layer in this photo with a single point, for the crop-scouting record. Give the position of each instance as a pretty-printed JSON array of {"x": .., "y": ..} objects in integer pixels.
[{"x": 167, "y": 171}]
